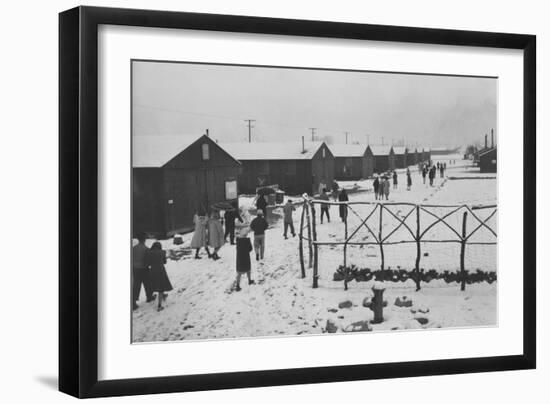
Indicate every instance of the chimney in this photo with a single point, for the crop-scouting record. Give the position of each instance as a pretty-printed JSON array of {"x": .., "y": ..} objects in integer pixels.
[
  {"x": 492, "y": 139},
  {"x": 303, "y": 145},
  {"x": 485, "y": 140},
  {"x": 207, "y": 133}
]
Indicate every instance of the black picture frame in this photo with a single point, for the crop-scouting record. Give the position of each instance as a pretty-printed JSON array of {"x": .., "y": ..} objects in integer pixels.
[{"x": 78, "y": 196}]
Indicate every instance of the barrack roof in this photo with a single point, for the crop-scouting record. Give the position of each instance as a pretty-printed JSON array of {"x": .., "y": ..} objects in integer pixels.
[
  {"x": 272, "y": 150},
  {"x": 381, "y": 150},
  {"x": 348, "y": 150}
]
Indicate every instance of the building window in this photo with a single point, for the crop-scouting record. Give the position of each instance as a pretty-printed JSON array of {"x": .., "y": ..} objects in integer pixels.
[
  {"x": 205, "y": 151},
  {"x": 230, "y": 189},
  {"x": 324, "y": 153}
]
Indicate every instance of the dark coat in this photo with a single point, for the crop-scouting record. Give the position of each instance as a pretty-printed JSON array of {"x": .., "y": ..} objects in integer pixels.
[
  {"x": 244, "y": 246},
  {"x": 159, "y": 278},
  {"x": 259, "y": 225},
  {"x": 230, "y": 216},
  {"x": 376, "y": 185},
  {"x": 261, "y": 203},
  {"x": 343, "y": 197}
]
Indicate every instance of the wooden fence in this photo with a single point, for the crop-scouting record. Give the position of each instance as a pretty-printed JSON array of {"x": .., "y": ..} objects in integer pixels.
[{"x": 415, "y": 233}]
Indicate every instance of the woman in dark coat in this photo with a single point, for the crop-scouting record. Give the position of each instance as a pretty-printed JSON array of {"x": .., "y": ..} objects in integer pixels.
[
  {"x": 409, "y": 180},
  {"x": 156, "y": 258},
  {"x": 376, "y": 186},
  {"x": 343, "y": 197},
  {"x": 261, "y": 204},
  {"x": 244, "y": 246}
]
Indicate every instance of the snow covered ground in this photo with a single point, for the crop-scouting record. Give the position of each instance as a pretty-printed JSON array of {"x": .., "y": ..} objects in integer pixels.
[{"x": 203, "y": 305}]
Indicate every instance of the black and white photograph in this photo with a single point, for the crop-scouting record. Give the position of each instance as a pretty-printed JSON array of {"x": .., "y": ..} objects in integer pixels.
[{"x": 280, "y": 201}]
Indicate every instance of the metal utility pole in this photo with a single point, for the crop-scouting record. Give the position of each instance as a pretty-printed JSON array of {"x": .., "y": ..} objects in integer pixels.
[
  {"x": 250, "y": 128},
  {"x": 312, "y": 133},
  {"x": 347, "y": 133}
]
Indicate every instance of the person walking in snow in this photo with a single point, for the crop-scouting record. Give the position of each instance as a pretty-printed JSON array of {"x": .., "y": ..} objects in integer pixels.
[
  {"x": 243, "y": 258},
  {"x": 140, "y": 272},
  {"x": 343, "y": 197},
  {"x": 394, "y": 179},
  {"x": 424, "y": 173},
  {"x": 156, "y": 259},
  {"x": 288, "y": 220},
  {"x": 432, "y": 175},
  {"x": 215, "y": 235},
  {"x": 261, "y": 204},
  {"x": 199, "y": 240},
  {"x": 324, "y": 206},
  {"x": 376, "y": 186},
  {"x": 409, "y": 180},
  {"x": 259, "y": 226},
  {"x": 386, "y": 188},
  {"x": 229, "y": 217}
]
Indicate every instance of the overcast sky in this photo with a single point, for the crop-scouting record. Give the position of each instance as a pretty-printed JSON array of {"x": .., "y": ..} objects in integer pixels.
[{"x": 173, "y": 98}]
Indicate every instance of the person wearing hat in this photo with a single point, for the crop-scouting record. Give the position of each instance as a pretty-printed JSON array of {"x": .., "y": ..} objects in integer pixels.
[
  {"x": 243, "y": 258},
  {"x": 259, "y": 226},
  {"x": 156, "y": 259},
  {"x": 288, "y": 220},
  {"x": 229, "y": 217},
  {"x": 324, "y": 206},
  {"x": 140, "y": 272},
  {"x": 261, "y": 204}
]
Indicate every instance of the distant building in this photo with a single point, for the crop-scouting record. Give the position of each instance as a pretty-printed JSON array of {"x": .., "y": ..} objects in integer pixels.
[
  {"x": 401, "y": 153},
  {"x": 384, "y": 158},
  {"x": 352, "y": 161},
  {"x": 426, "y": 154},
  {"x": 488, "y": 160},
  {"x": 295, "y": 167},
  {"x": 173, "y": 176},
  {"x": 412, "y": 157}
]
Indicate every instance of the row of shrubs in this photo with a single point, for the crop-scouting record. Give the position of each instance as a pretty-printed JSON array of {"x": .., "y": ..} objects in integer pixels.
[{"x": 352, "y": 272}]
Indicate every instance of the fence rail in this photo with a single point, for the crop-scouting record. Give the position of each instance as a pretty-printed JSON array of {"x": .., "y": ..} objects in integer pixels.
[{"x": 414, "y": 232}]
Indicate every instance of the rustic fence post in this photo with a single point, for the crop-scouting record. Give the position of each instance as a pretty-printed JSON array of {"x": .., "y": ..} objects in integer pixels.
[
  {"x": 462, "y": 253},
  {"x": 315, "y": 248},
  {"x": 418, "y": 252},
  {"x": 380, "y": 239},
  {"x": 310, "y": 244},
  {"x": 301, "y": 242}
]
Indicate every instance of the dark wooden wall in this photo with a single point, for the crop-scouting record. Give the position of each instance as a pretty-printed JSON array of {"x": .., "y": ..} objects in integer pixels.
[
  {"x": 488, "y": 162},
  {"x": 165, "y": 199}
]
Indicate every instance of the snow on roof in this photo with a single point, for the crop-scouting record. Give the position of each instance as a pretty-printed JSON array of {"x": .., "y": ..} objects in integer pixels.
[
  {"x": 399, "y": 149},
  {"x": 380, "y": 150},
  {"x": 487, "y": 150},
  {"x": 157, "y": 150},
  {"x": 271, "y": 150},
  {"x": 348, "y": 150}
]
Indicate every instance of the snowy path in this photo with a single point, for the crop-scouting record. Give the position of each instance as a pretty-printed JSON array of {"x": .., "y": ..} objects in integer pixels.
[{"x": 281, "y": 303}]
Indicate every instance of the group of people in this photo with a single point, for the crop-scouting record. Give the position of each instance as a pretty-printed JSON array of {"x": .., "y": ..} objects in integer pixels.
[
  {"x": 148, "y": 270},
  {"x": 430, "y": 170},
  {"x": 337, "y": 194}
]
